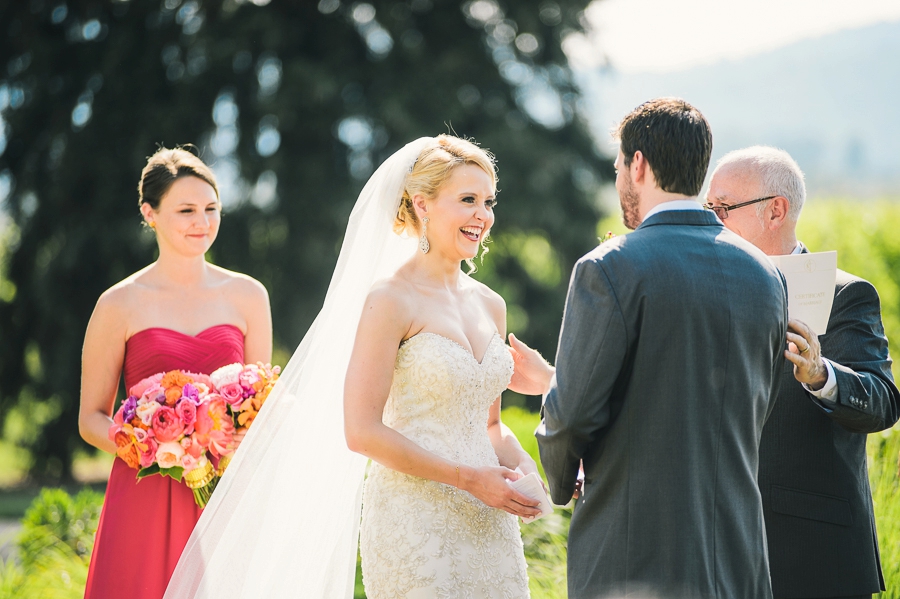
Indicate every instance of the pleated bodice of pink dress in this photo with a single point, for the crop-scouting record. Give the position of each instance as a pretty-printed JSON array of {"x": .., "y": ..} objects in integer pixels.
[{"x": 145, "y": 525}]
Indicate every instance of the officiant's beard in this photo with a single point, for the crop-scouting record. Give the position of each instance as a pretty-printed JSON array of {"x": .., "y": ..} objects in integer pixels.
[{"x": 630, "y": 200}]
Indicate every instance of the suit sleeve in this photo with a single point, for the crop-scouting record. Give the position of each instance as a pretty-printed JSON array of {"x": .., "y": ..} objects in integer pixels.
[
  {"x": 592, "y": 348},
  {"x": 867, "y": 400}
]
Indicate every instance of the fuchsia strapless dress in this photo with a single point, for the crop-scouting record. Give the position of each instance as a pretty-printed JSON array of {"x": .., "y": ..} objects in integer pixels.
[{"x": 144, "y": 526}]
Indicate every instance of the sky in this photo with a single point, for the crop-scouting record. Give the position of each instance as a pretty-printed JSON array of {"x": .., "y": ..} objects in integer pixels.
[{"x": 666, "y": 35}]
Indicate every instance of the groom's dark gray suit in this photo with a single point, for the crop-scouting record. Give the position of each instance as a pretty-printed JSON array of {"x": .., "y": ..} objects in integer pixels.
[{"x": 670, "y": 355}]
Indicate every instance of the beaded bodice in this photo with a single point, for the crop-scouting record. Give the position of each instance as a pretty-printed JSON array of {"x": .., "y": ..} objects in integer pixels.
[
  {"x": 441, "y": 395},
  {"x": 421, "y": 538}
]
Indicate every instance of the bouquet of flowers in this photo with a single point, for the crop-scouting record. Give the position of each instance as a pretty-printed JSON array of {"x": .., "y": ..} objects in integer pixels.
[
  {"x": 245, "y": 388},
  {"x": 171, "y": 421}
]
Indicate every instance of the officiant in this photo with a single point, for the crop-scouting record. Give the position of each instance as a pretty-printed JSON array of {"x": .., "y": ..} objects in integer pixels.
[{"x": 836, "y": 388}]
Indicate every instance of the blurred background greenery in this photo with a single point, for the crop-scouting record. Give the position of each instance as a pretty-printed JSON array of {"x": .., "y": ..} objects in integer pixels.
[{"x": 294, "y": 104}]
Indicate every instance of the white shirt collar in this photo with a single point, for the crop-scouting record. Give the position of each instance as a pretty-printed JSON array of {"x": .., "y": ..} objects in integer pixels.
[
  {"x": 674, "y": 205},
  {"x": 798, "y": 249}
]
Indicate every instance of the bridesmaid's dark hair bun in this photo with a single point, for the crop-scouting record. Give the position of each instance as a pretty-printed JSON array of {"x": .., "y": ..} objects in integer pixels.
[{"x": 167, "y": 165}]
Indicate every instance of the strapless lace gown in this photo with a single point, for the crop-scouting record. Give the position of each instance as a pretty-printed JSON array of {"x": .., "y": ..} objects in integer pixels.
[
  {"x": 420, "y": 538},
  {"x": 145, "y": 525}
]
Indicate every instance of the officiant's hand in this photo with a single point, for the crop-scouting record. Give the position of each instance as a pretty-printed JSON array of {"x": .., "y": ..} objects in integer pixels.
[
  {"x": 805, "y": 353},
  {"x": 532, "y": 373},
  {"x": 489, "y": 485}
]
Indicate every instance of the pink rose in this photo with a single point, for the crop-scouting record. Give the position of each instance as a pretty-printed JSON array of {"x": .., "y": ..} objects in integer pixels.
[
  {"x": 169, "y": 454},
  {"x": 233, "y": 394},
  {"x": 187, "y": 413},
  {"x": 250, "y": 376},
  {"x": 141, "y": 387},
  {"x": 189, "y": 462},
  {"x": 166, "y": 424}
]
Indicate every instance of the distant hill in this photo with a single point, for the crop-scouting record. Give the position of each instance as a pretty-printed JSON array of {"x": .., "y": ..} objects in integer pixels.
[{"x": 833, "y": 102}]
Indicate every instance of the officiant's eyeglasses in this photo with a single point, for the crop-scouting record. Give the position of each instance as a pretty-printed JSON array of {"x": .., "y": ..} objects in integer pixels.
[{"x": 722, "y": 211}]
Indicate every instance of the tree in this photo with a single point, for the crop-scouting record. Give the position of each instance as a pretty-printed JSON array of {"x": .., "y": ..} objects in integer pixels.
[{"x": 294, "y": 103}]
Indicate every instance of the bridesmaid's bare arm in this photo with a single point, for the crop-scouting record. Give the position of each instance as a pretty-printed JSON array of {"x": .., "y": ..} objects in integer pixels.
[
  {"x": 101, "y": 366},
  {"x": 257, "y": 313}
]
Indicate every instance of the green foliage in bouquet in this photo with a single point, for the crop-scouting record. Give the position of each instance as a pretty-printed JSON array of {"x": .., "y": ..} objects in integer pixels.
[{"x": 54, "y": 547}]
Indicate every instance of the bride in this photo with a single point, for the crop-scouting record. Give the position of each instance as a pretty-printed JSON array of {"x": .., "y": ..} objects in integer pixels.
[
  {"x": 421, "y": 349},
  {"x": 422, "y": 399}
]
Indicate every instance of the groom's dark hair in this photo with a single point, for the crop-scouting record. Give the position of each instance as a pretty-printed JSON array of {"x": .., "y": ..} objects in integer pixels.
[{"x": 674, "y": 137}]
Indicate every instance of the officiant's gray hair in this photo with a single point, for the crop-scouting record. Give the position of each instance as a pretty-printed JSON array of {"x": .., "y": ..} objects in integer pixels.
[{"x": 778, "y": 173}]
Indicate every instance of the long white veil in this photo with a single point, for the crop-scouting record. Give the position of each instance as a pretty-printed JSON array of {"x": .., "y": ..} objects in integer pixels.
[{"x": 284, "y": 520}]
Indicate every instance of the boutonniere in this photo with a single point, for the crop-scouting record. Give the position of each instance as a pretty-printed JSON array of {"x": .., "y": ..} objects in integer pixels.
[{"x": 609, "y": 235}]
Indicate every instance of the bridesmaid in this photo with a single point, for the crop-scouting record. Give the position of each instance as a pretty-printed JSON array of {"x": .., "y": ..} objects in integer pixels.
[{"x": 181, "y": 312}]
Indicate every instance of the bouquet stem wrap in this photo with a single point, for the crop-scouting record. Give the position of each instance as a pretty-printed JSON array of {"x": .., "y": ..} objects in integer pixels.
[{"x": 202, "y": 481}]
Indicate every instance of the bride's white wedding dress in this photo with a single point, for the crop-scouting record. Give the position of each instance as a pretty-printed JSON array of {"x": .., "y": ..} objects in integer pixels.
[{"x": 420, "y": 538}]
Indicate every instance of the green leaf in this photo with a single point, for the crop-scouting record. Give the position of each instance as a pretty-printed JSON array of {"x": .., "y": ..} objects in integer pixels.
[
  {"x": 175, "y": 472},
  {"x": 154, "y": 469}
]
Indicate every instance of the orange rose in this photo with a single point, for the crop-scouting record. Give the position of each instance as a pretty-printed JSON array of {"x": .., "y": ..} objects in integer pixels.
[
  {"x": 175, "y": 378},
  {"x": 173, "y": 394},
  {"x": 127, "y": 450}
]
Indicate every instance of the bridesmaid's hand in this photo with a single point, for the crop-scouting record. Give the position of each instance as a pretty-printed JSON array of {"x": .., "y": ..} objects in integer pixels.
[
  {"x": 238, "y": 436},
  {"x": 532, "y": 373},
  {"x": 489, "y": 485}
]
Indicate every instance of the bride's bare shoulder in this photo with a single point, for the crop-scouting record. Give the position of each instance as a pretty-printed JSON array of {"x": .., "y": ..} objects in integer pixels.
[
  {"x": 492, "y": 301},
  {"x": 491, "y": 298},
  {"x": 393, "y": 293}
]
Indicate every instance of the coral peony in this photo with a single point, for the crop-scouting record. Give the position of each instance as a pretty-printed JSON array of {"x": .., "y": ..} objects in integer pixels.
[
  {"x": 166, "y": 424},
  {"x": 214, "y": 426}
]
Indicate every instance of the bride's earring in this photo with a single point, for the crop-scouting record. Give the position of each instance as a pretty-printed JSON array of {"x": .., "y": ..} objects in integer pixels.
[{"x": 423, "y": 240}]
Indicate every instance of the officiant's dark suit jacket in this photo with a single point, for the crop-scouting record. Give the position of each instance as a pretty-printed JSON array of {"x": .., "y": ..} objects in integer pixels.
[
  {"x": 670, "y": 354},
  {"x": 812, "y": 470}
]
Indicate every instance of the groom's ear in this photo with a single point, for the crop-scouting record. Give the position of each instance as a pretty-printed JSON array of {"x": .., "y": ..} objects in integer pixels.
[{"x": 639, "y": 167}]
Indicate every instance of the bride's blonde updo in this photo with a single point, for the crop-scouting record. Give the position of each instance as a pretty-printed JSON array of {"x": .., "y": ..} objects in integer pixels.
[{"x": 431, "y": 171}]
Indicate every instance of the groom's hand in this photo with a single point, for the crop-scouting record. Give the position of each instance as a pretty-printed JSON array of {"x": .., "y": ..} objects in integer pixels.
[
  {"x": 805, "y": 354},
  {"x": 532, "y": 373}
]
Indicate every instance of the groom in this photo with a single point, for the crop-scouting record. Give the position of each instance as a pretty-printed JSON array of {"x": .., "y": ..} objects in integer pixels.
[{"x": 670, "y": 350}]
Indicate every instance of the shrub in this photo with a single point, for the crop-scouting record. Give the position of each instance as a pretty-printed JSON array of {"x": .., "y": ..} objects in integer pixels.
[{"x": 54, "y": 547}]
